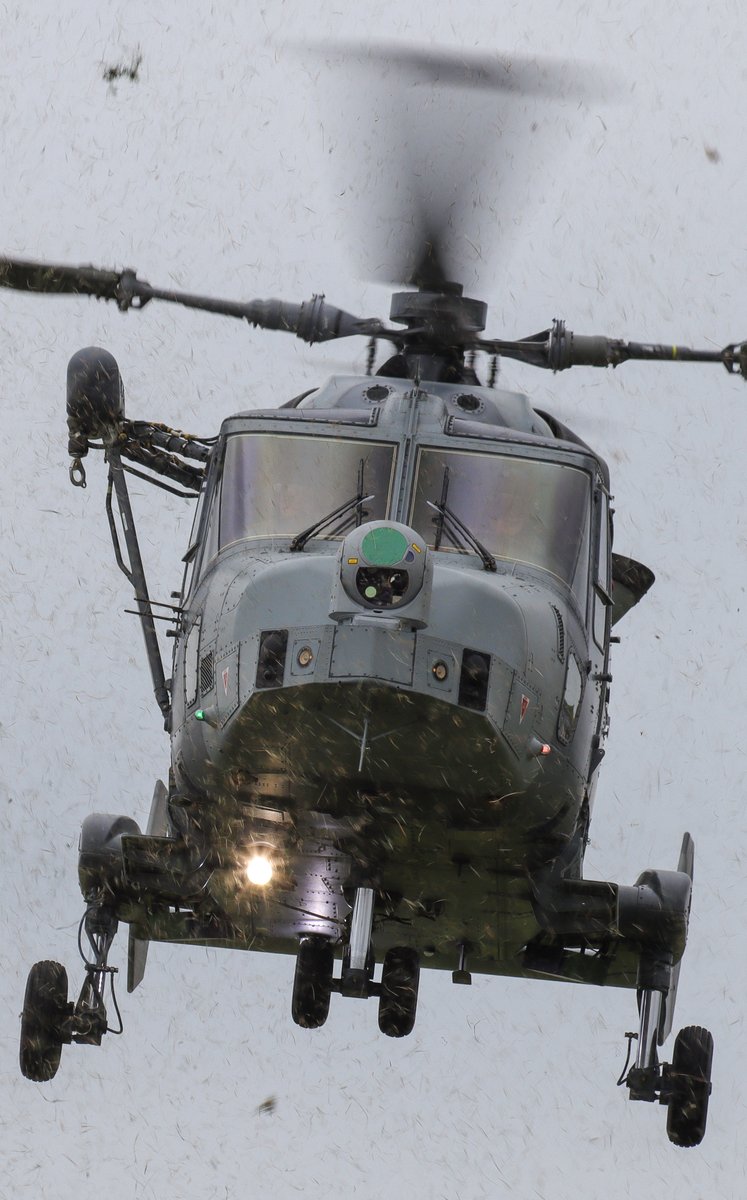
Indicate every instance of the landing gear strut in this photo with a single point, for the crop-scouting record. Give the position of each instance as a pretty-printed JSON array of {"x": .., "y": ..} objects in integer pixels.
[{"x": 358, "y": 961}]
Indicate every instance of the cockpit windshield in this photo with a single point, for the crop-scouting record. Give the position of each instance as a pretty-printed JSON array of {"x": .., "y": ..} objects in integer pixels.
[
  {"x": 276, "y": 485},
  {"x": 523, "y": 510}
]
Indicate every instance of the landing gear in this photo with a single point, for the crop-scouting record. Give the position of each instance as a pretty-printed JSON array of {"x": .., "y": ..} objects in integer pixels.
[
  {"x": 462, "y": 975},
  {"x": 312, "y": 983},
  {"x": 45, "y": 1010},
  {"x": 689, "y": 1079},
  {"x": 90, "y": 1021},
  {"x": 358, "y": 959},
  {"x": 685, "y": 1085},
  {"x": 49, "y": 1021},
  {"x": 398, "y": 998}
]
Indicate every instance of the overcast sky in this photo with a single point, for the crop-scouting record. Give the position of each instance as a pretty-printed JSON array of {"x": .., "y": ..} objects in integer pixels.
[{"x": 235, "y": 165}]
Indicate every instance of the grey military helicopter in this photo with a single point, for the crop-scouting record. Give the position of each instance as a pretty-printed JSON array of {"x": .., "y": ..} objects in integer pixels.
[{"x": 389, "y": 693}]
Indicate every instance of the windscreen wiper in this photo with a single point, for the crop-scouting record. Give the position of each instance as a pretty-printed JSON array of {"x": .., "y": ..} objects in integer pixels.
[
  {"x": 355, "y": 505},
  {"x": 344, "y": 510},
  {"x": 449, "y": 522},
  {"x": 459, "y": 533}
]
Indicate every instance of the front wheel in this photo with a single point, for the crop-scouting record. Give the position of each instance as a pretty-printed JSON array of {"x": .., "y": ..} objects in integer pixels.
[
  {"x": 690, "y": 1075},
  {"x": 398, "y": 1001},
  {"x": 45, "y": 1007},
  {"x": 312, "y": 983}
]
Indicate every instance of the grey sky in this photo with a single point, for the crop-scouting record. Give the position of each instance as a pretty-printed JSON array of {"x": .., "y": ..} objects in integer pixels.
[{"x": 210, "y": 172}]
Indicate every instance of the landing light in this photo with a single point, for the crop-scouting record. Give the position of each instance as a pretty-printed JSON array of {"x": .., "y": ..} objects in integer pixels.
[{"x": 259, "y": 870}]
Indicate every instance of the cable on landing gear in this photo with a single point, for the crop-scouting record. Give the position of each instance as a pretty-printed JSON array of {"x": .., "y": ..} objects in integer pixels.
[
  {"x": 632, "y": 1037},
  {"x": 101, "y": 968}
]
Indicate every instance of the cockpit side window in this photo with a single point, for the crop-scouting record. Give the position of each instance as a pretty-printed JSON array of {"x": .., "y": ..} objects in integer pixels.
[
  {"x": 203, "y": 538},
  {"x": 602, "y": 600}
]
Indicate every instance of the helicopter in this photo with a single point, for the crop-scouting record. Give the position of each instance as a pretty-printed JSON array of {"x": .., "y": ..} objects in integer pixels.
[{"x": 388, "y": 700}]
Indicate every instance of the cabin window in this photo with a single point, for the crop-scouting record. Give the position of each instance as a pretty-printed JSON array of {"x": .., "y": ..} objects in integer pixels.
[
  {"x": 190, "y": 664},
  {"x": 571, "y": 703},
  {"x": 522, "y": 510},
  {"x": 277, "y": 485}
]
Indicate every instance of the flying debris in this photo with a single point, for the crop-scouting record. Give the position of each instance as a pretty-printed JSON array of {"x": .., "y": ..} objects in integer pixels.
[{"x": 389, "y": 693}]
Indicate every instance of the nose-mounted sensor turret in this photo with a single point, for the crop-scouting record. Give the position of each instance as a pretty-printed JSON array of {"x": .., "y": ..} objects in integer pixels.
[{"x": 382, "y": 566}]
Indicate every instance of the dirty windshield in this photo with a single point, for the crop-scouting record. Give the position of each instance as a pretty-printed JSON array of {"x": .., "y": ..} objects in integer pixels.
[
  {"x": 523, "y": 510},
  {"x": 275, "y": 485}
]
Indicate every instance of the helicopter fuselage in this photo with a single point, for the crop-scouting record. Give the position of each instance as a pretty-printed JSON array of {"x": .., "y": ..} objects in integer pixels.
[{"x": 430, "y": 717}]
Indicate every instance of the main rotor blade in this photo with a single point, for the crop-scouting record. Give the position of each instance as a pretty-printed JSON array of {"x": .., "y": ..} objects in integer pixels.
[
  {"x": 50, "y": 277},
  {"x": 516, "y": 74},
  {"x": 446, "y": 140},
  {"x": 557, "y": 349},
  {"x": 312, "y": 321}
]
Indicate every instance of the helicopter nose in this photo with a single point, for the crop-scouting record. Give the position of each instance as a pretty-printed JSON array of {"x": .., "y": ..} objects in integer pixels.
[{"x": 383, "y": 566}]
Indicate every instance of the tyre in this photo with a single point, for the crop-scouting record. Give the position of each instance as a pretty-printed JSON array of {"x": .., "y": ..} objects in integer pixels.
[
  {"x": 44, "y": 1009},
  {"x": 690, "y": 1075},
  {"x": 398, "y": 1001},
  {"x": 312, "y": 983}
]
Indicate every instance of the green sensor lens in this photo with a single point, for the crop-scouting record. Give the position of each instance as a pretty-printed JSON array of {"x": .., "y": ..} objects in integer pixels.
[{"x": 384, "y": 547}]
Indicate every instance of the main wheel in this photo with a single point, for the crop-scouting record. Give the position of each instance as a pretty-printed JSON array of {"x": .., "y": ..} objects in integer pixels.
[
  {"x": 44, "y": 1009},
  {"x": 690, "y": 1074},
  {"x": 398, "y": 1001},
  {"x": 312, "y": 983}
]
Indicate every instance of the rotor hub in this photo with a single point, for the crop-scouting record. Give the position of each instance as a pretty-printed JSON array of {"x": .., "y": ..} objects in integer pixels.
[{"x": 445, "y": 315}]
